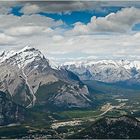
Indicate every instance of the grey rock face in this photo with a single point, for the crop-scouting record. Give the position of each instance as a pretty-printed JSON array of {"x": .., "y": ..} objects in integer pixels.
[
  {"x": 23, "y": 73},
  {"x": 69, "y": 96}
]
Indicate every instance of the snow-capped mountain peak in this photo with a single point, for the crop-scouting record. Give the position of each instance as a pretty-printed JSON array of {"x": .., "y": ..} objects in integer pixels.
[
  {"x": 105, "y": 70},
  {"x": 27, "y": 48},
  {"x": 117, "y": 63},
  {"x": 22, "y": 57},
  {"x": 24, "y": 73}
]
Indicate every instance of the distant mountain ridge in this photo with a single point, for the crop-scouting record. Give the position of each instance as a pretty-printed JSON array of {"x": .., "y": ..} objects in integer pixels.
[{"x": 109, "y": 71}]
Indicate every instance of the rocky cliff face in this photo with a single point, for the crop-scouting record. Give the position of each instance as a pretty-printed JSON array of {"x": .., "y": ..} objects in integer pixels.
[
  {"x": 29, "y": 79},
  {"x": 10, "y": 112}
]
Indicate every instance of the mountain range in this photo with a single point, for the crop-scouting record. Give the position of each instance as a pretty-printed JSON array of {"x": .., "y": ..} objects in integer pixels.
[
  {"x": 28, "y": 80},
  {"x": 33, "y": 89},
  {"x": 108, "y": 71}
]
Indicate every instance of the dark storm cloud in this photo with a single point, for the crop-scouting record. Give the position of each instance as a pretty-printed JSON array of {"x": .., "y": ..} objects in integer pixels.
[
  {"x": 55, "y": 6},
  {"x": 68, "y": 6},
  {"x": 29, "y": 7}
]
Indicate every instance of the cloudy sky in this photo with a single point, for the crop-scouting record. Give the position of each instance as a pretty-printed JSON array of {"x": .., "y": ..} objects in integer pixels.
[{"x": 72, "y": 29}]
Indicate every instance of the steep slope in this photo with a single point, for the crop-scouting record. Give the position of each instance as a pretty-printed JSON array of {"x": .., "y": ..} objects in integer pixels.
[
  {"x": 10, "y": 112},
  {"x": 109, "y": 71},
  {"x": 25, "y": 73},
  {"x": 124, "y": 127}
]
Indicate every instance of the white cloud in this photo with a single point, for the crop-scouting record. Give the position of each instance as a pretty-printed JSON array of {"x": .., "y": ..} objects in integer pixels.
[
  {"x": 68, "y": 6},
  {"x": 105, "y": 46},
  {"x": 24, "y": 30},
  {"x": 28, "y": 25},
  {"x": 83, "y": 40},
  {"x": 30, "y": 9},
  {"x": 57, "y": 38},
  {"x": 121, "y": 22},
  {"x": 5, "y": 39},
  {"x": 19, "y": 29},
  {"x": 5, "y": 6},
  {"x": 57, "y": 6},
  {"x": 10, "y": 20}
]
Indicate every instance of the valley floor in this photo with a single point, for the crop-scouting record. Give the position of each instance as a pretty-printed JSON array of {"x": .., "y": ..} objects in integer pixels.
[{"x": 64, "y": 124}]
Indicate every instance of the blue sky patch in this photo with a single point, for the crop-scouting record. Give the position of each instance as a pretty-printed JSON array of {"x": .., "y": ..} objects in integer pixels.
[
  {"x": 16, "y": 10},
  {"x": 136, "y": 27},
  {"x": 74, "y": 16}
]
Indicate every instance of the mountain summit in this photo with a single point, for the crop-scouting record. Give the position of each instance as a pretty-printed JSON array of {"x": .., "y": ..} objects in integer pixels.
[
  {"x": 28, "y": 78},
  {"x": 22, "y": 57}
]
